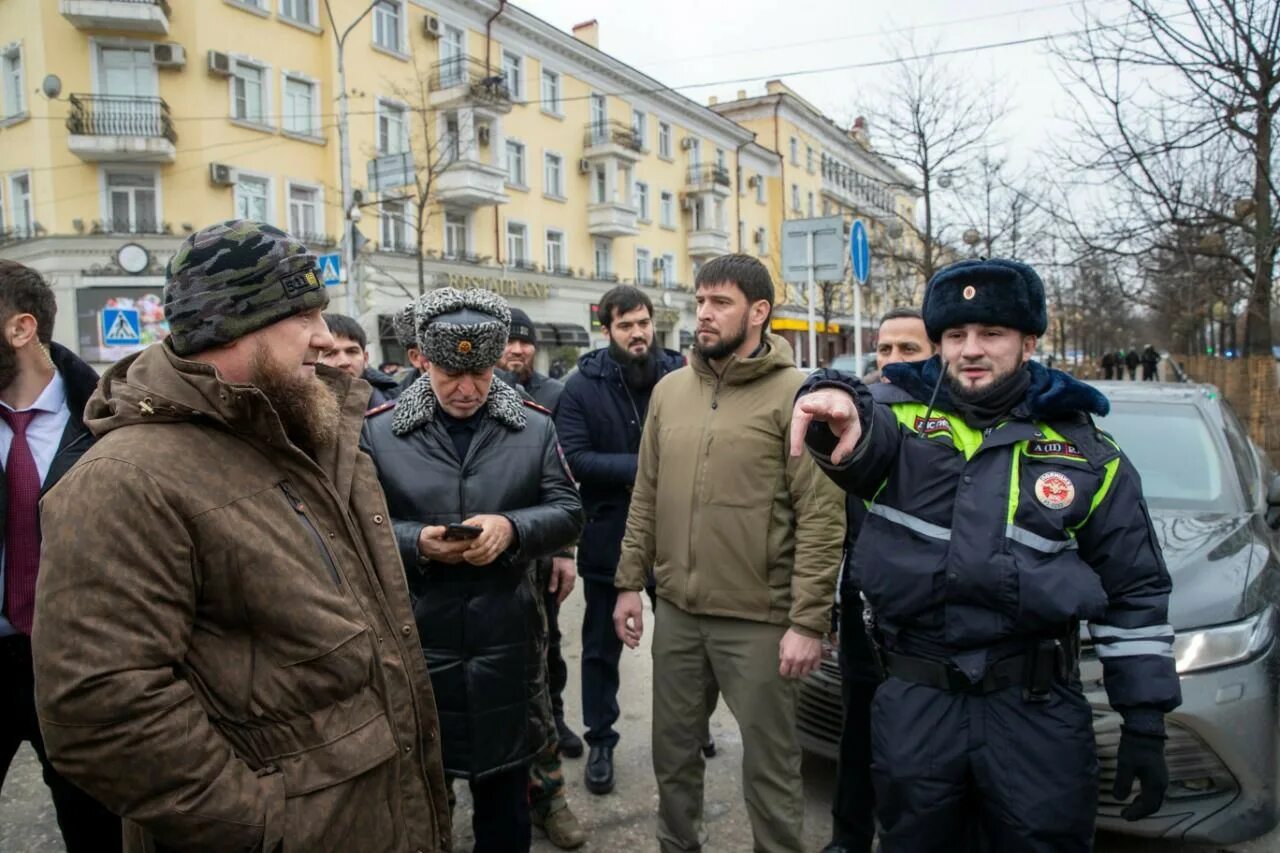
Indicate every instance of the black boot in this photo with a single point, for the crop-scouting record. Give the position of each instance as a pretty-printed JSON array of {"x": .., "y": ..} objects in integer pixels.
[
  {"x": 570, "y": 744},
  {"x": 599, "y": 775}
]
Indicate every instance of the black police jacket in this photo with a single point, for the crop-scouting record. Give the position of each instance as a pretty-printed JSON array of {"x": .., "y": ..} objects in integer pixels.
[
  {"x": 599, "y": 420},
  {"x": 976, "y": 541},
  {"x": 478, "y": 624}
]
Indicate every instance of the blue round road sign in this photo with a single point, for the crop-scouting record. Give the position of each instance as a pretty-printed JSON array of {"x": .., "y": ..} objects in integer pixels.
[{"x": 860, "y": 252}]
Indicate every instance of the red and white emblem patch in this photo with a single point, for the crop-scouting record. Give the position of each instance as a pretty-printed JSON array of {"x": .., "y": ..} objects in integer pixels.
[{"x": 1055, "y": 490}]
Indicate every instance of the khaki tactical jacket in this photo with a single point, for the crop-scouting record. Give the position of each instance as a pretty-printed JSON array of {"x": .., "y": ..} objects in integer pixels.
[
  {"x": 730, "y": 523},
  {"x": 224, "y": 649}
]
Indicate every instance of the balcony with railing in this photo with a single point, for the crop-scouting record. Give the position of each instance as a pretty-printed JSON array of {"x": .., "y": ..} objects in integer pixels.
[
  {"x": 850, "y": 188},
  {"x": 464, "y": 81},
  {"x": 121, "y": 129},
  {"x": 470, "y": 183},
  {"x": 612, "y": 219},
  {"x": 709, "y": 177},
  {"x": 611, "y": 139},
  {"x": 132, "y": 16},
  {"x": 708, "y": 243}
]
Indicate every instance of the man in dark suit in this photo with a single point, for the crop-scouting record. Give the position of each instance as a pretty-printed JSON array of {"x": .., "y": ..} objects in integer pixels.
[{"x": 43, "y": 391}]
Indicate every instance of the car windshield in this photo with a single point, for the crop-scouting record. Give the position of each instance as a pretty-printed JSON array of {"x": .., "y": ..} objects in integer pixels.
[{"x": 1172, "y": 446}]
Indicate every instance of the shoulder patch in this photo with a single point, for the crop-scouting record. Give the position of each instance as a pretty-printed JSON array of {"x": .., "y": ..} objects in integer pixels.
[
  {"x": 532, "y": 405},
  {"x": 377, "y": 410},
  {"x": 1059, "y": 449},
  {"x": 938, "y": 424}
]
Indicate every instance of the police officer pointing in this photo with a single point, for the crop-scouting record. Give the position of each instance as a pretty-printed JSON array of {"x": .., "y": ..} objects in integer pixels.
[{"x": 999, "y": 517}]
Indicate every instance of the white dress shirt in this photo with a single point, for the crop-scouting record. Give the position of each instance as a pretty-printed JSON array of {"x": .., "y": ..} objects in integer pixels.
[{"x": 44, "y": 434}]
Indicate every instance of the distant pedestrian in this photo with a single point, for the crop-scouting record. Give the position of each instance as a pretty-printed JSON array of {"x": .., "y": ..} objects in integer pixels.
[
  {"x": 1131, "y": 361},
  {"x": 1108, "y": 365},
  {"x": 1150, "y": 363}
]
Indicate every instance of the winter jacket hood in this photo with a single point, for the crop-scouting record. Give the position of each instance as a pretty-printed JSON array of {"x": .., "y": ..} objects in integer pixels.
[
  {"x": 599, "y": 364},
  {"x": 1052, "y": 393}
]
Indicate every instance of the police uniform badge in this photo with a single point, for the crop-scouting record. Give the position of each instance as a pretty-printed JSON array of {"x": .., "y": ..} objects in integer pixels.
[
  {"x": 1055, "y": 490},
  {"x": 464, "y": 347},
  {"x": 970, "y": 291}
]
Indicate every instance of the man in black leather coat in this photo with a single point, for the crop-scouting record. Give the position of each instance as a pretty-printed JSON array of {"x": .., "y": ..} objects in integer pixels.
[{"x": 460, "y": 447}]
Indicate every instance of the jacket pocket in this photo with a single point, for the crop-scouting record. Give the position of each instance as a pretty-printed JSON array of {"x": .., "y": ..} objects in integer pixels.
[{"x": 339, "y": 795}]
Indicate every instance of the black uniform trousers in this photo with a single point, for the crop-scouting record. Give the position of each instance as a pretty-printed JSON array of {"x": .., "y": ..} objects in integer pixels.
[
  {"x": 557, "y": 670},
  {"x": 601, "y": 652},
  {"x": 86, "y": 824},
  {"x": 946, "y": 766},
  {"x": 853, "y": 807}
]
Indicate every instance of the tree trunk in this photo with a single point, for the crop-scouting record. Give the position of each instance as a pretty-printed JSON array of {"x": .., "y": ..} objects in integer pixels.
[{"x": 1258, "y": 330}]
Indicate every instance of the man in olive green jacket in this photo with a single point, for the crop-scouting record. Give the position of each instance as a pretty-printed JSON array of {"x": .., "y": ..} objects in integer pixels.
[
  {"x": 745, "y": 541},
  {"x": 225, "y": 653}
]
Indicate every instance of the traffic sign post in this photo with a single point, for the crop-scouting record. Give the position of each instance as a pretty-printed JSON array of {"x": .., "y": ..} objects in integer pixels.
[
  {"x": 121, "y": 327},
  {"x": 330, "y": 268},
  {"x": 813, "y": 250},
  {"x": 860, "y": 260}
]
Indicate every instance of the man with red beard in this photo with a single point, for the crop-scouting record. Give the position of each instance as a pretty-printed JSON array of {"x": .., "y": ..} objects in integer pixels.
[{"x": 224, "y": 647}]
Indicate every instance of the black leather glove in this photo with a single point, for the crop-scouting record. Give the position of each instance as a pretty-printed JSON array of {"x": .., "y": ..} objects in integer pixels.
[{"x": 1141, "y": 756}]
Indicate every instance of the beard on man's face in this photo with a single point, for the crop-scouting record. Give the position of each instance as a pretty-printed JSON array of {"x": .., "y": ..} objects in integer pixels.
[
  {"x": 725, "y": 345},
  {"x": 307, "y": 408},
  {"x": 960, "y": 391},
  {"x": 8, "y": 364}
]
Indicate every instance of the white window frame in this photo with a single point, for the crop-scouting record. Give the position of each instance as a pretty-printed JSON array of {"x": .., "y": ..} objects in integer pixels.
[
  {"x": 318, "y": 189},
  {"x": 665, "y": 138},
  {"x": 313, "y": 117},
  {"x": 795, "y": 197},
  {"x": 18, "y": 90},
  {"x": 403, "y": 222},
  {"x": 795, "y": 151},
  {"x": 760, "y": 189},
  {"x": 564, "y": 249},
  {"x": 555, "y": 106},
  {"x": 810, "y": 208},
  {"x": 808, "y": 158},
  {"x": 640, "y": 195},
  {"x": 269, "y": 180},
  {"x": 644, "y": 266},
  {"x": 30, "y": 197},
  {"x": 764, "y": 240},
  {"x": 265, "y": 70},
  {"x": 640, "y": 127},
  {"x": 465, "y": 249},
  {"x": 668, "y": 270},
  {"x": 522, "y": 230},
  {"x": 600, "y": 184},
  {"x": 402, "y": 21},
  {"x": 510, "y": 146},
  {"x": 515, "y": 82},
  {"x": 386, "y": 106},
  {"x": 552, "y": 189},
  {"x": 667, "y": 209},
  {"x": 312, "y": 11},
  {"x": 597, "y": 245},
  {"x": 104, "y": 183}
]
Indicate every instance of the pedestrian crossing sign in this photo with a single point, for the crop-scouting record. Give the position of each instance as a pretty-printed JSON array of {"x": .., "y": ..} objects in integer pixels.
[
  {"x": 121, "y": 327},
  {"x": 330, "y": 268}
]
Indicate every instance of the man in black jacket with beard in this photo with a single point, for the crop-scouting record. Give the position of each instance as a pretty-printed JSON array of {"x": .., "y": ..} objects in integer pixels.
[
  {"x": 43, "y": 391},
  {"x": 477, "y": 489},
  {"x": 600, "y": 416}
]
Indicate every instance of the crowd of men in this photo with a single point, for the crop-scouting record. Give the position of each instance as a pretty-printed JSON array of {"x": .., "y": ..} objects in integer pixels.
[
  {"x": 1116, "y": 362},
  {"x": 275, "y": 599}
]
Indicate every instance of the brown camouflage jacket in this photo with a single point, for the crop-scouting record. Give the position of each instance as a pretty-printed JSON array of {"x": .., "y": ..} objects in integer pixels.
[{"x": 224, "y": 649}]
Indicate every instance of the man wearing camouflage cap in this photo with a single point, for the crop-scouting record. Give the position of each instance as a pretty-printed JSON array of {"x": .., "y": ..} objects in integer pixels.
[
  {"x": 224, "y": 644},
  {"x": 478, "y": 490}
]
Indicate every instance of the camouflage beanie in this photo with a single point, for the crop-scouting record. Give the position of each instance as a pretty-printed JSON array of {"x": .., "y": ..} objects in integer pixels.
[
  {"x": 462, "y": 329},
  {"x": 233, "y": 278}
]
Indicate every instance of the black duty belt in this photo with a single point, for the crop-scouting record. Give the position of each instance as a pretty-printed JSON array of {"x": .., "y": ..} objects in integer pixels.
[{"x": 1034, "y": 671}]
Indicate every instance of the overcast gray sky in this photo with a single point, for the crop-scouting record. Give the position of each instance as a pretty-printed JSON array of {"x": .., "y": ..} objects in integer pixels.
[{"x": 685, "y": 42}]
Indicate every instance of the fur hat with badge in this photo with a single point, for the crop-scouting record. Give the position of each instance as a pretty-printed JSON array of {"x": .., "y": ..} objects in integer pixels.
[
  {"x": 992, "y": 291},
  {"x": 462, "y": 329}
]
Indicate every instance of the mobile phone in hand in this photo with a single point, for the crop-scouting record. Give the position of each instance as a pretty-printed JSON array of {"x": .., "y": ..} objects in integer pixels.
[{"x": 453, "y": 532}]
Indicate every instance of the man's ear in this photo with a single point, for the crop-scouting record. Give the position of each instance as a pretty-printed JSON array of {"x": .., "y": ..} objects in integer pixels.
[
  {"x": 760, "y": 310},
  {"x": 1029, "y": 346},
  {"x": 20, "y": 330}
]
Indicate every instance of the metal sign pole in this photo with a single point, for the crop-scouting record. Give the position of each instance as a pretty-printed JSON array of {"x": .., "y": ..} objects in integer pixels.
[
  {"x": 813, "y": 330},
  {"x": 857, "y": 326}
]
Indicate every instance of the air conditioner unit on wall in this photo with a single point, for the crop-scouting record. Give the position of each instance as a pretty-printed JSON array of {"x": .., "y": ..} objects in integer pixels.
[
  {"x": 431, "y": 27},
  {"x": 219, "y": 63},
  {"x": 168, "y": 55},
  {"x": 222, "y": 175},
  {"x": 753, "y": 181},
  {"x": 759, "y": 236},
  {"x": 584, "y": 166},
  {"x": 686, "y": 143}
]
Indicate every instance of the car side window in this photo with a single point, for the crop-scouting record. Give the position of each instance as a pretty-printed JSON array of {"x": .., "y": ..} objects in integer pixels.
[{"x": 1243, "y": 455}]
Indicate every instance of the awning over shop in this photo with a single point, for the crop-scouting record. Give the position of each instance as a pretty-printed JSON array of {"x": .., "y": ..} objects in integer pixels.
[
  {"x": 790, "y": 324},
  {"x": 562, "y": 335}
]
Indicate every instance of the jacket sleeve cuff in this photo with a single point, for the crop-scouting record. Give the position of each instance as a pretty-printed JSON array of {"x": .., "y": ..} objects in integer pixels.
[{"x": 806, "y": 632}]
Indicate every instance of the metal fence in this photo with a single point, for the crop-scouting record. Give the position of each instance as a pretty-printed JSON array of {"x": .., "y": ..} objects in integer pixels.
[{"x": 120, "y": 115}]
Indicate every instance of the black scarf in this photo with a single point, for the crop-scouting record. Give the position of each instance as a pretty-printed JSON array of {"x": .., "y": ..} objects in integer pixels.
[
  {"x": 989, "y": 406},
  {"x": 641, "y": 373}
]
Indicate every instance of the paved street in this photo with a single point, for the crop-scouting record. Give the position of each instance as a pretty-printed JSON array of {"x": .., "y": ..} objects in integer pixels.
[{"x": 621, "y": 821}]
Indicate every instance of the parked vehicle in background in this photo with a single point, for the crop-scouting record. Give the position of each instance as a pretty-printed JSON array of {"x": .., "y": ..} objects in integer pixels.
[{"x": 1214, "y": 500}]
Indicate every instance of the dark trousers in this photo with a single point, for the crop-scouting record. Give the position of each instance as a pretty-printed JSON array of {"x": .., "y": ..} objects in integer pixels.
[
  {"x": 557, "y": 671},
  {"x": 601, "y": 651},
  {"x": 948, "y": 766},
  {"x": 86, "y": 824},
  {"x": 500, "y": 812},
  {"x": 853, "y": 808}
]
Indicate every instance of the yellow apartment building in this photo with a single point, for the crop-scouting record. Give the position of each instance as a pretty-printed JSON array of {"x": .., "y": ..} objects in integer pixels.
[
  {"x": 521, "y": 158},
  {"x": 827, "y": 170}
]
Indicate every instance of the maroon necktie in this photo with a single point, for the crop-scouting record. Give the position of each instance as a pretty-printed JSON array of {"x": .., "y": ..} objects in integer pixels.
[{"x": 22, "y": 524}]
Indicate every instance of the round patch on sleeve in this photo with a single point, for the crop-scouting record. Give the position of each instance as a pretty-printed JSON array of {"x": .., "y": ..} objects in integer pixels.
[{"x": 1055, "y": 490}]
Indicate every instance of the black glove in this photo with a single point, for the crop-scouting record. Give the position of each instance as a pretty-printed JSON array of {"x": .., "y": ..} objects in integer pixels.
[{"x": 1141, "y": 756}]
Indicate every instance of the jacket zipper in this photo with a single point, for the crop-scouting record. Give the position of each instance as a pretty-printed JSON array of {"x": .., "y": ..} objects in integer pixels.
[
  {"x": 635, "y": 411},
  {"x": 298, "y": 507}
]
